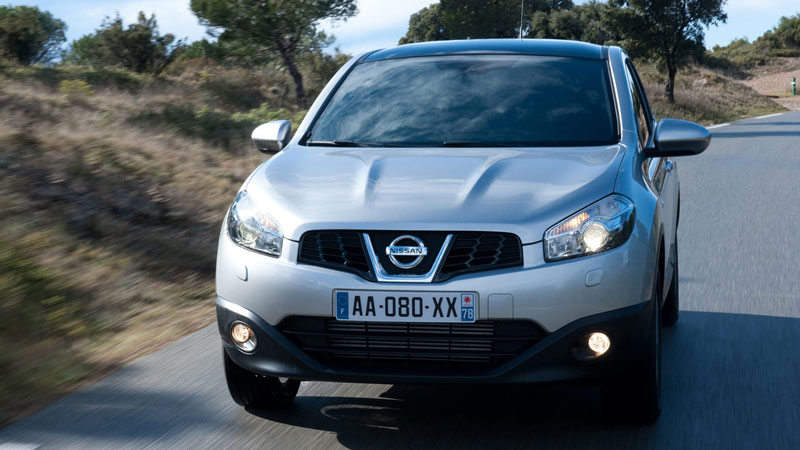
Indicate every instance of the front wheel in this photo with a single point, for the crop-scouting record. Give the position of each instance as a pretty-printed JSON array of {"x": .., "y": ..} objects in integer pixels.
[
  {"x": 251, "y": 390},
  {"x": 636, "y": 395}
]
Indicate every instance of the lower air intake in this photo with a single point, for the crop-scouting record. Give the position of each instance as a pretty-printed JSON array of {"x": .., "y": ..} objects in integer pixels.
[{"x": 411, "y": 346}]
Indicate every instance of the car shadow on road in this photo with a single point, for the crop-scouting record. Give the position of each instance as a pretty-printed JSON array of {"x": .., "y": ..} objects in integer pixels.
[{"x": 730, "y": 381}]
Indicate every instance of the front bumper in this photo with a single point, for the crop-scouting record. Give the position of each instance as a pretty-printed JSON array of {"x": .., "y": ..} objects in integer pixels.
[
  {"x": 547, "y": 360},
  {"x": 552, "y": 294}
]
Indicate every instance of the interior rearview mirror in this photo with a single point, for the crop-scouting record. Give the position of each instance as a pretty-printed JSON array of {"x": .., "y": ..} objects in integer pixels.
[
  {"x": 272, "y": 137},
  {"x": 679, "y": 138}
]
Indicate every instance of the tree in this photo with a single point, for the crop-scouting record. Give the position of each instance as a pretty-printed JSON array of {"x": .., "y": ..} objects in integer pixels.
[
  {"x": 786, "y": 34},
  {"x": 30, "y": 35},
  {"x": 285, "y": 27},
  {"x": 425, "y": 25},
  {"x": 671, "y": 31},
  {"x": 139, "y": 47},
  {"x": 589, "y": 22},
  {"x": 321, "y": 67},
  {"x": 482, "y": 19},
  {"x": 476, "y": 19},
  {"x": 80, "y": 50},
  {"x": 204, "y": 49}
]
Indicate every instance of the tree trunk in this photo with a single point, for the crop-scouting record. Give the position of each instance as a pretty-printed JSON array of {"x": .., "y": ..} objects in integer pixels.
[
  {"x": 669, "y": 89},
  {"x": 300, "y": 92}
]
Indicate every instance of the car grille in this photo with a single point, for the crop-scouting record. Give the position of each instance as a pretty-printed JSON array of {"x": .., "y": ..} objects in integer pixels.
[
  {"x": 469, "y": 252},
  {"x": 340, "y": 250},
  {"x": 474, "y": 252},
  {"x": 400, "y": 346}
]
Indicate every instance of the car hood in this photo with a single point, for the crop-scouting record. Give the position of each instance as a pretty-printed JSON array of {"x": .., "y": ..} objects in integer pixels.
[{"x": 522, "y": 191}]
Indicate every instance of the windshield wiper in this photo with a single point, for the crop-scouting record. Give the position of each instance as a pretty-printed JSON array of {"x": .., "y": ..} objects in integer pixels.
[
  {"x": 474, "y": 144},
  {"x": 338, "y": 143}
]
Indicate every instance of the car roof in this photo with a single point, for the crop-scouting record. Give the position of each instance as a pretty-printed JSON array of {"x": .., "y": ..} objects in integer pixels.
[{"x": 545, "y": 47}]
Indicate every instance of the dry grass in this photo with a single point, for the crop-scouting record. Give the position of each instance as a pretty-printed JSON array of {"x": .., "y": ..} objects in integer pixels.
[
  {"x": 705, "y": 96},
  {"x": 775, "y": 65},
  {"x": 108, "y": 229},
  {"x": 775, "y": 81}
]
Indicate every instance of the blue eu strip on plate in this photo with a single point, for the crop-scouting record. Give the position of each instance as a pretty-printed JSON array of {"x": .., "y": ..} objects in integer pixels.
[{"x": 342, "y": 305}]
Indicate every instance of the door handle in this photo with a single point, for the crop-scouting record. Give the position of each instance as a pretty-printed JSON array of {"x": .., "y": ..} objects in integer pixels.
[{"x": 668, "y": 166}]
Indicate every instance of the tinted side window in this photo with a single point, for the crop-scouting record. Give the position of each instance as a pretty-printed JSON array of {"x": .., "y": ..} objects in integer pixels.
[{"x": 642, "y": 120}]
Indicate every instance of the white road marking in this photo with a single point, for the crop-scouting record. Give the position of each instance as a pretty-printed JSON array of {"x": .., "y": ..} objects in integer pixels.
[
  {"x": 768, "y": 115},
  {"x": 18, "y": 446},
  {"x": 717, "y": 126}
]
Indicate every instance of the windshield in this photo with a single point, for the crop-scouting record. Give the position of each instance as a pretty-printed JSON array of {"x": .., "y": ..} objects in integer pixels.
[{"x": 476, "y": 100}]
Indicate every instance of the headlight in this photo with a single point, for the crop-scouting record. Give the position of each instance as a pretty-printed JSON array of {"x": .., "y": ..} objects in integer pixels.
[
  {"x": 599, "y": 227},
  {"x": 251, "y": 227}
]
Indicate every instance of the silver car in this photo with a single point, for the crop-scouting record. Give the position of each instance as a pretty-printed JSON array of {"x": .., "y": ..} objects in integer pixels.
[{"x": 483, "y": 211}]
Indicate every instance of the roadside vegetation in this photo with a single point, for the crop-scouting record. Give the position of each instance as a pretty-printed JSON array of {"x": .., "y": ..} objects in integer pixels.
[
  {"x": 704, "y": 95},
  {"x": 112, "y": 198},
  {"x": 120, "y": 151},
  {"x": 114, "y": 177},
  {"x": 767, "y": 64}
]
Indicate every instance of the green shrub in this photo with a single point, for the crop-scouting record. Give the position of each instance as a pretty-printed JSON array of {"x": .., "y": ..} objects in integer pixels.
[
  {"x": 740, "y": 54},
  {"x": 139, "y": 47},
  {"x": 782, "y": 41},
  {"x": 210, "y": 125},
  {"x": 785, "y": 52},
  {"x": 213, "y": 125},
  {"x": 203, "y": 49},
  {"x": 52, "y": 77},
  {"x": 786, "y": 35},
  {"x": 75, "y": 89},
  {"x": 237, "y": 89}
]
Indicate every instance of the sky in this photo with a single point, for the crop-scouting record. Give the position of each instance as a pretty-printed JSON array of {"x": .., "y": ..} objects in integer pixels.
[{"x": 379, "y": 24}]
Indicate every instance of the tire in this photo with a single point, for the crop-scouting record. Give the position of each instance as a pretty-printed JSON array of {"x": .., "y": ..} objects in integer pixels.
[
  {"x": 636, "y": 396},
  {"x": 669, "y": 313},
  {"x": 258, "y": 391}
]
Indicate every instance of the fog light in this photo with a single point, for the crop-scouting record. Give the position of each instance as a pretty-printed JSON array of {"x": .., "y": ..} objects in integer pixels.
[
  {"x": 599, "y": 343},
  {"x": 243, "y": 337},
  {"x": 591, "y": 346}
]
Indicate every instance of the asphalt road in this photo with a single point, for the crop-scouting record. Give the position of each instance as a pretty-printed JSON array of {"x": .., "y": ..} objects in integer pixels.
[{"x": 731, "y": 365}]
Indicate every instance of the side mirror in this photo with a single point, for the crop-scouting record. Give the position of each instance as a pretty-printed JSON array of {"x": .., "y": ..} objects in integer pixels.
[
  {"x": 679, "y": 138},
  {"x": 272, "y": 137}
]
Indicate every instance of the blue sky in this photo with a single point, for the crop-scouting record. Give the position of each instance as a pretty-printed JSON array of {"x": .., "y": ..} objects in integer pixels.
[{"x": 379, "y": 24}]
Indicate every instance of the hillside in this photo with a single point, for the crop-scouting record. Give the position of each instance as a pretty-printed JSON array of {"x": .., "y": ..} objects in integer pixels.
[
  {"x": 774, "y": 81},
  {"x": 705, "y": 96},
  {"x": 113, "y": 187},
  {"x": 111, "y": 198}
]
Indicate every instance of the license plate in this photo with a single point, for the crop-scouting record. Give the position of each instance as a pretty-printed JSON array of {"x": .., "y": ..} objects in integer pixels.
[{"x": 387, "y": 306}]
